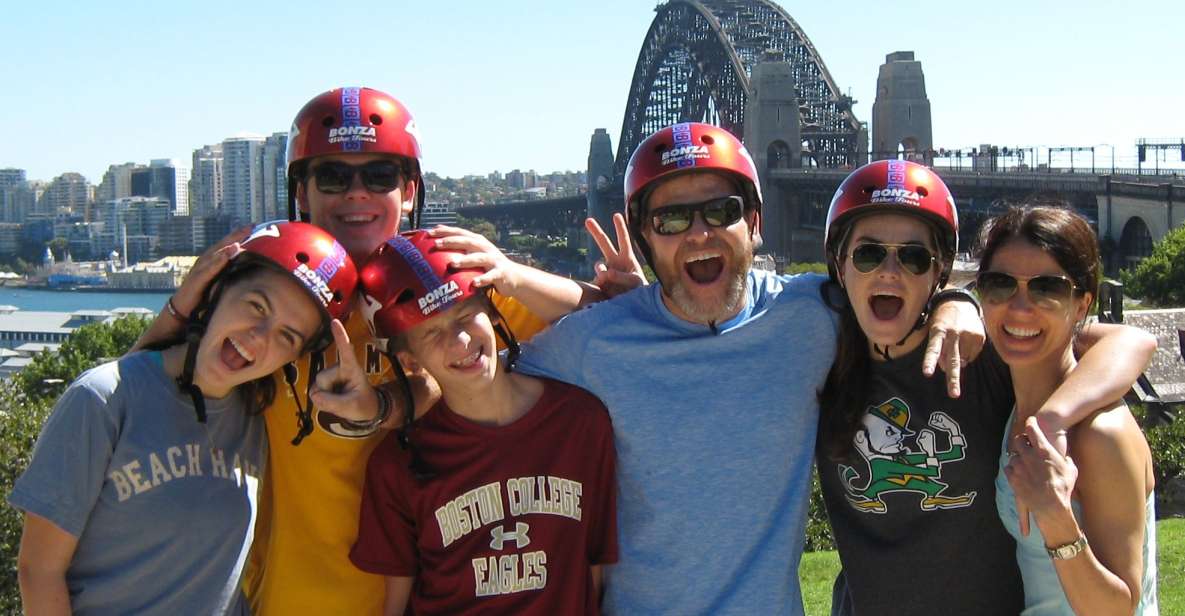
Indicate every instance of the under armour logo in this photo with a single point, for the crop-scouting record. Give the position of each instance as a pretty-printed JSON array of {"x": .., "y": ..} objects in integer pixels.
[{"x": 521, "y": 540}]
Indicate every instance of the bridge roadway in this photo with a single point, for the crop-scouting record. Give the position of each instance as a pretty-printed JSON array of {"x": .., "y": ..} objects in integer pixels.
[{"x": 1131, "y": 212}]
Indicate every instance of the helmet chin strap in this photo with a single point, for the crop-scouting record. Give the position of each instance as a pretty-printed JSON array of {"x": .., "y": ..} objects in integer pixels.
[{"x": 923, "y": 317}]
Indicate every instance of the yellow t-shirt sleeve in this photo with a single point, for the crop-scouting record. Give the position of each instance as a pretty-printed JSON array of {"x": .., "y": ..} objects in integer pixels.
[{"x": 522, "y": 322}]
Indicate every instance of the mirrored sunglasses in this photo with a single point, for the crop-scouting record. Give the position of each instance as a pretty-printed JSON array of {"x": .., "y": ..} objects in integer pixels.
[
  {"x": 1046, "y": 291},
  {"x": 675, "y": 219},
  {"x": 913, "y": 258}
]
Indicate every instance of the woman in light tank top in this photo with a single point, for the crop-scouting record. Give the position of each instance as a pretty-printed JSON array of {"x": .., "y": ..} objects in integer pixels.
[{"x": 1090, "y": 541}]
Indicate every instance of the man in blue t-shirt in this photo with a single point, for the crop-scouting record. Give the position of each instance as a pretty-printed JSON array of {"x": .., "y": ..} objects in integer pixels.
[{"x": 711, "y": 378}]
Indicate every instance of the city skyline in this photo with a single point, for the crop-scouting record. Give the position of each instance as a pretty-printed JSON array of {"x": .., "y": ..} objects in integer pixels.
[{"x": 103, "y": 85}]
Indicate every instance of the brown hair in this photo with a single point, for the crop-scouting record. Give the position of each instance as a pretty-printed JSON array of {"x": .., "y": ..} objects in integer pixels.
[
  {"x": 1059, "y": 231},
  {"x": 256, "y": 394},
  {"x": 844, "y": 396}
]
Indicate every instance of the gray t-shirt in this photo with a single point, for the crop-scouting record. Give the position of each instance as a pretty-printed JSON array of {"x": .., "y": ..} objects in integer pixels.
[
  {"x": 163, "y": 507},
  {"x": 715, "y": 434}
]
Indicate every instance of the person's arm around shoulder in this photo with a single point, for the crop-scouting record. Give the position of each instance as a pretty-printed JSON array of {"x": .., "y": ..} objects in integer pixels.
[
  {"x": 1113, "y": 358},
  {"x": 45, "y": 555},
  {"x": 546, "y": 295},
  {"x": 171, "y": 321},
  {"x": 1109, "y": 476},
  {"x": 398, "y": 593}
]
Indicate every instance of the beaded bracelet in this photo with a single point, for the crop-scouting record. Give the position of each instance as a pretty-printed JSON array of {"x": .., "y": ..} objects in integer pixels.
[{"x": 176, "y": 314}]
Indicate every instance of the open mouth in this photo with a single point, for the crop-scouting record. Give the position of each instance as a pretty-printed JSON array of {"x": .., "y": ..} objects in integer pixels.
[
  {"x": 469, "y": 361},
  {"x": 357, "y": 219},
  {"x": 1021, "y": 332},
  {"x": 235, "y": 356},
  {"x": 886, "y": 307},
  {"x": 704, "y": 268}
]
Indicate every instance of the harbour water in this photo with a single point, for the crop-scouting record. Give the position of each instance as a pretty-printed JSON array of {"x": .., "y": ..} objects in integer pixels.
[{"x": 69, "y": 301}]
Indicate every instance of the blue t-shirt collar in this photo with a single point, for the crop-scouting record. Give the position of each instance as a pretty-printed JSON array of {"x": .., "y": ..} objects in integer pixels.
[{"x": 685, "y": 325}]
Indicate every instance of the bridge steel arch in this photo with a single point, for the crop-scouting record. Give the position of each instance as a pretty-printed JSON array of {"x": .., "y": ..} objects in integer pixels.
[{"x": 695, "y": 65}]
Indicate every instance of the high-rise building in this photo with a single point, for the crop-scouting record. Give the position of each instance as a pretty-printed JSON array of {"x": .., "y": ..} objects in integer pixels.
[
  {"x": 11, "y": 177},
  {"x": 177, "y": 236},
  {"x": 163, "y": 179},
  {"x": 117, "y": 183},
  {"x": 68, "y": 192},
  {"x": 11, "y": 181},
  {"x": 205, "y": 185},
  {"x": 242, "y": 186},
  {"x": 273, "y": 173},
  {"x": 138, "y": 220},
  {"x": 22, "y": 200}
]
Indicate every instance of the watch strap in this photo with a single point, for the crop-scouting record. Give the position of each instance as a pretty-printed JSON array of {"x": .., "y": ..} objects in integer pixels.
[{"x": 1068, "y": 550}]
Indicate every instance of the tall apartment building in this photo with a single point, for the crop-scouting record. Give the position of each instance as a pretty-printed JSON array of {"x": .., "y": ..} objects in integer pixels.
[
  {"x": 163, "y": 179},
  {"x": 117, "y": 182},
  {"x": 68, "y": 192},
  {"x": 134, "y": 222},
  {"x": 205, "y": 183},
  {"x": 242, "y": 185},
  {"x": 273, "y": 173},
  {"x": 205, "y": 197},
  {"x": 11, "y": 181}
]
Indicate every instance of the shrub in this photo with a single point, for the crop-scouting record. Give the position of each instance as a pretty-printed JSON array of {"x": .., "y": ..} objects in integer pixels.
[
  {"x": 20, "y": 423},
  {"x": 1160, "y": 278},
  {"x": 818, "y": 529},
  {"x": 25, "y": 401},
  {"x": 803, "y": 268}
]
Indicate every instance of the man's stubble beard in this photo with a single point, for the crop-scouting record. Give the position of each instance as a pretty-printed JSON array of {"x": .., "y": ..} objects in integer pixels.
[{"x": 734, "y": 293}]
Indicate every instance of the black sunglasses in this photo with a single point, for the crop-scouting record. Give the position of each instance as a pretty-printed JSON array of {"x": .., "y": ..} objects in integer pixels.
[
  {"x": 378, "y": 176},
  {"x": 1047, "y": 291},
  {"x": 675, "y": 219},
  {"x": 913, "y": 258}
]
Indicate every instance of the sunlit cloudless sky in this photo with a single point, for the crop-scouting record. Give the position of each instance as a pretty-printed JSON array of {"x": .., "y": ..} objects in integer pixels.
[{"x": 504, "y": 85}]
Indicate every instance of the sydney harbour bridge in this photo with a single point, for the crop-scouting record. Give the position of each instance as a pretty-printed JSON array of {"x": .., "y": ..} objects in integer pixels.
[{"x": 747, "y": 66}]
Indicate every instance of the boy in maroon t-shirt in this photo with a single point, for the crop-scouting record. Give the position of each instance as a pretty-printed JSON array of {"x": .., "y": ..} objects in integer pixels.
[{"x": 499, "y": 499}]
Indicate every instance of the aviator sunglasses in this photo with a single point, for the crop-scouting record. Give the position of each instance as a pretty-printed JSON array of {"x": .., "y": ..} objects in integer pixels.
[
  {"x": 1047, "y": 291},
  {"x": 913, "y": 258},
  {"x": 378, "y": 176},
  {"x": 675, "y": 219}
]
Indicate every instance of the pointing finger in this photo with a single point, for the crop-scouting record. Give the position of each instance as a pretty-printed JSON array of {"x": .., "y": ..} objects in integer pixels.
[
  {"x": 345, "y": 352},
  {"x": 954, "y": 365},
  {"x": 933, "y": 351}
]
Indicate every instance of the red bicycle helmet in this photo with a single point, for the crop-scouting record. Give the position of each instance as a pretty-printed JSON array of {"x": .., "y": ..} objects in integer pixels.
[
  {"x": 893, "y": 187},
  {"x": 312, "y": 256},
  {"x": 316, "y": 261},
  {"x": 681, "y": 148},
  {"x": 408, "y": 281},
  {"x": 348, "y": 120}
]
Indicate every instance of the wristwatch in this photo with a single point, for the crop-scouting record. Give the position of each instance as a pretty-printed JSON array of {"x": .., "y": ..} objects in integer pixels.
[{"x": 1069, "y": 550}]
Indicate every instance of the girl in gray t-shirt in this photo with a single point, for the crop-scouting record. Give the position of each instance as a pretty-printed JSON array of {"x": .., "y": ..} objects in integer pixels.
[{"x": 141, "y": 494}]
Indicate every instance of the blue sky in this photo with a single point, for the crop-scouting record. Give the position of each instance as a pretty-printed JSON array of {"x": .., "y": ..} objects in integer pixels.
[{"x": 502, "y": 85}]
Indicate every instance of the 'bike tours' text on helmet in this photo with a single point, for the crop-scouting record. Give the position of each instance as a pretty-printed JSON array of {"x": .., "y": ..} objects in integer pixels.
[
  {"x": 352, "y": 120},
  {"x": 312, "y": 256},
  {"x": 683, "y": 148},
  {"x": 893, "y": 187},
  {"x": 407, "y": 281}
]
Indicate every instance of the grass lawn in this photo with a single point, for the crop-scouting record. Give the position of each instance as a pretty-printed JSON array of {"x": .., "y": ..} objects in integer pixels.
[{"x": 819, "y": 568}]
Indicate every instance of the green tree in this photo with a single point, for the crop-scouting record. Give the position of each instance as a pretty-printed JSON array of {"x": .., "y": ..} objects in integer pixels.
[
  {"x": 1160, "y": 278},
  {"x": 49, "y": 373},
  {"x": 25, "y": 401},
  {"x": 20, "y": 423},
  {"x": 60, "y": 247},
  {"x": 481, "y": 227}
]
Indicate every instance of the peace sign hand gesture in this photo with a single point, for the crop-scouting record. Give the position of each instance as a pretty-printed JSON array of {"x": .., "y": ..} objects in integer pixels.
[
  {"x": 342, "y": 389},
  {"x": 619, "y": 271}
]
